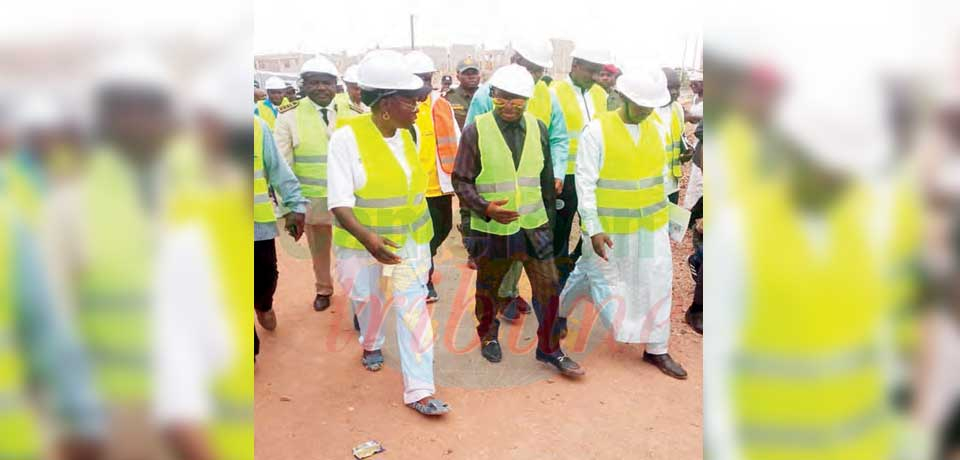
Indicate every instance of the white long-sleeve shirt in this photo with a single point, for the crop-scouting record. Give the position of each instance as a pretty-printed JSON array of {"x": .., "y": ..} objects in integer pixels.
[
  {"x": 345, "y": 173},
  {"x": 589, "y": 162}
]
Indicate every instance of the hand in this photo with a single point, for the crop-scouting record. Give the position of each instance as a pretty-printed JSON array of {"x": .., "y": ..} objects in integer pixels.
[
  {"x": 295, "y": 222},
  {"x": 698, "y": 226},
  {"x": 558, "y": 186},
  {"x": 377, "y": 247},
  {"x": 497, "y": 213},
  {"x": 598, "y": 241}
]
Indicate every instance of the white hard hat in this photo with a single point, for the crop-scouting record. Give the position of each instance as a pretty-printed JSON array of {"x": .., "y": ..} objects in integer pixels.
[
  {"x": 319, "y": 64},
  {"x": 696, "y": 75},
  {"x": 419, "y": 62},
  {"x": 350, "y": 75},
  {"x": 274, "y": 83},
  {"x": 595, "y": 56},
  {"x": 290, "y": 84},
  {"x": 537, "y": 52},
  {"x": 135, "y": 68},
  {"x": 386, "y": 69},
  {"x": 40, "y": 112},
  {"x": 514, "y": 79},
  {"x": 645, "y": 86},
  {"x": 850, "y": 139}
]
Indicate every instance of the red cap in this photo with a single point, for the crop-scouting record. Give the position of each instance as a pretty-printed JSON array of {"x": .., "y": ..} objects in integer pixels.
[{"x": 610, "y": 68}]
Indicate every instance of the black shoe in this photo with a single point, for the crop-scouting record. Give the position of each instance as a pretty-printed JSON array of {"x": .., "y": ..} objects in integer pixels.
[
  {"x": 321, "y": 302},
  {"x": 356, "y": 323},
  {"x": 565, "y": 364},
  {"x": 666, "y": 364},
  {"x": 431, "y": 294},
  {"x": 694, "y": 319},
  {"x": 491, "y": 351}
]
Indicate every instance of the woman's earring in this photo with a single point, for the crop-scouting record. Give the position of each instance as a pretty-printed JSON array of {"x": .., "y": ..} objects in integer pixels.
[{"x": 384, "y": 116}]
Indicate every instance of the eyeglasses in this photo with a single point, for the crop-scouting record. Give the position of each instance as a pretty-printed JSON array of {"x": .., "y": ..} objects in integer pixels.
[{"x": 518, "y": 103}]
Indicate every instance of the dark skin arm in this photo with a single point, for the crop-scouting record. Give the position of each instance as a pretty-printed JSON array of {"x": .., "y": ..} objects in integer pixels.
[{"x": 375, "y": 244}]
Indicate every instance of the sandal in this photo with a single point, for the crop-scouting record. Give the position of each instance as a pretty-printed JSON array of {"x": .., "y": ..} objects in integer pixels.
[
  {"x": 372, "y": 362},
  {"x": 433, "y": 406}
]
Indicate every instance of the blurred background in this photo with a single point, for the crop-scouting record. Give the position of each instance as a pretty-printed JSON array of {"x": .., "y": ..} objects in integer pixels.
[
  {"x": 831, "y": 145},
  {"x": 125, "y": 263},
  {"x": 831, "y": 134}
]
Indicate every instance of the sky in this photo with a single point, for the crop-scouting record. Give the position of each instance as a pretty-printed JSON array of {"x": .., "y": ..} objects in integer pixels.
[{"x": 633, "y": 31}]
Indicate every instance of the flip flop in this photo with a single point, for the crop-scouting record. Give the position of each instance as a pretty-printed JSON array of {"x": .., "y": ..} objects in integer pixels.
[
  {"x": 372, "y": 362},
  {"x": 433, "y": 406}
]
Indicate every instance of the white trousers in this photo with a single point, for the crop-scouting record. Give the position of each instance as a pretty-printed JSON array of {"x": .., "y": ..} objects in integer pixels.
[{"x": 367, "y": 282}]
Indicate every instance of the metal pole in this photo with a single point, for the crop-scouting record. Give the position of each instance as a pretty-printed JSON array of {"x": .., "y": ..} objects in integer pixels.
[{"x": 411, "y": 32}]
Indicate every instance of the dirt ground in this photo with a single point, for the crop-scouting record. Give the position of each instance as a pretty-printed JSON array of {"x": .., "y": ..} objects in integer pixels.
[{"x": 315, "y": 401}]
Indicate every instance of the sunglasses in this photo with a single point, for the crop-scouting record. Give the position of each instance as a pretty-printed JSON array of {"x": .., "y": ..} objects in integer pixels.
[{"x": 516, "y": 103}]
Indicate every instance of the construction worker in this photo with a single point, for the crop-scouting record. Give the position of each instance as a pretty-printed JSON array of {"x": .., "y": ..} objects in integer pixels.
[
  {"x": 607, "y": 78},
  {"x": 694, "y": 115},
  {"x": 349, "y": 104},
  {"x": 271, "y": 170},
  {"x": 383, "y": 226},
  {"x": 437, "y": 135},
  {"x": 43, "y": 369},
  {"x": 276, "y": 96},
  {"x": 670, "y": 117},
  {"x": 302, "y": 133},
  {"x": 628, "y": 272},
  {"x": 446, "y": 82},
  {"x": 581, "y": 100},
  {"x": 504, "y": 176},
  {"x": 290, "y": 91},
  {"x": 536, "y": 58},
  {"x": 468, "y": 75}
]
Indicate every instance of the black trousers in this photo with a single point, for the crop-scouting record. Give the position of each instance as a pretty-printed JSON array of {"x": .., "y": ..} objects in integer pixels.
[
  {"x": 264, "y": 280},
  {"x": 441, "y": 213},
  {"x": 546, "y": 298},
  {"x": 563, "y": 226}
]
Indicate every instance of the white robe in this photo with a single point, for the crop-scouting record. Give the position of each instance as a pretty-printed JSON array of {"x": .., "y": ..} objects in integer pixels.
[{"x": 633, "y": 291}]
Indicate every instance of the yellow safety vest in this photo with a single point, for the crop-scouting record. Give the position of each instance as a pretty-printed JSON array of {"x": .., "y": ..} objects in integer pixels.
[
  {"x": 500, "y": 179},
  {"x": 567, "y": 97},
  {"x": 224, "y": 212},
  {"x": 310, "y": 155},
  {"x": 262, "y": 206},
  {"x": 540, "y": 104},
  {"x": 114, "y": 284},
  {"x": 630, "y": 188},
  {"x": 803, "y": 387},
  {"x": 267, "y": 114},
  {"x": 427, "y": 141},
  {"x": 387, "y": 204},
  {"x": 341, "y": 103},
  {"x": 20, "y": 439},
  {"x": 676, "y": 138}
]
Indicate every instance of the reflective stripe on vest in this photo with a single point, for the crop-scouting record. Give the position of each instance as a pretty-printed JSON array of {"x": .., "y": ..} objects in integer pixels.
[
  {"x": 310, "y": 155},
  {"x": 567, "y": 96},
  {"x": 446, "y": 135},
  {"x": 676, "y": 138},
  {"x": 262, "y": 207},
  {"x": 500, "y": 179},
  {"x": 630, "y": 188},
  {"x": 809, "y": 377},
  {"x": 386, "y": 204},
  {"x": 112, "y": 313},
  {"x": 20, "y": 439}
]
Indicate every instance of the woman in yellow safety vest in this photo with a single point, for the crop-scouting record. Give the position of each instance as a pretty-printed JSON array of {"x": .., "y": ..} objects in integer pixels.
[{"x": 382, "y": 228}]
